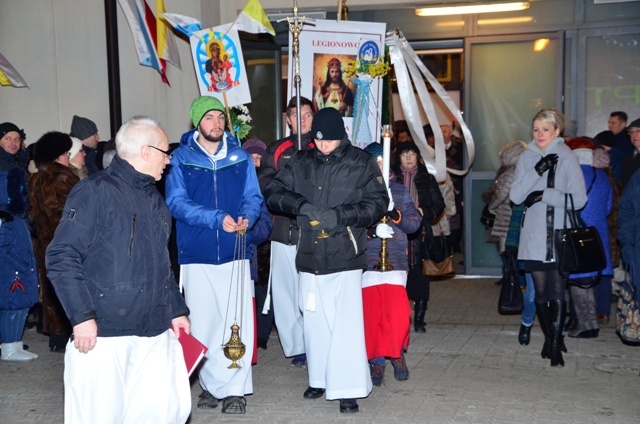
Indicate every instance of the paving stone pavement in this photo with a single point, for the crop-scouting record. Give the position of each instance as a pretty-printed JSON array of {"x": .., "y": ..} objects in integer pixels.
[{"x": 467, "y": 368}]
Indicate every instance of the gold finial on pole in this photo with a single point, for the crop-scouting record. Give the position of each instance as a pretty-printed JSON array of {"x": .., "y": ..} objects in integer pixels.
[
  {"x": 383, "y": 265},
  {"x": 343, "y": 10}
]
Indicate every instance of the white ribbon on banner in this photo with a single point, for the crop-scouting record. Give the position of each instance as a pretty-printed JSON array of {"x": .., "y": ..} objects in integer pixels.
[{"x": 407, "y": 64}]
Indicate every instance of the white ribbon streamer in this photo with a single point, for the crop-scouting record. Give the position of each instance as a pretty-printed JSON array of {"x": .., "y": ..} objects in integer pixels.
[{"x": 408, "y": 67}]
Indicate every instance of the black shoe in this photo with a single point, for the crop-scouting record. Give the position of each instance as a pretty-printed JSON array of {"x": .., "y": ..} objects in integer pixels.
[
  {"x": 313, "y": 393},
  {"x": 524, "y": 336},
  {"x": 57, "y": 349},
  {"x": 207, "y": 401},
  {"x": 262, "y": 344},
  {"x": 419, "y": 309},
  {"x": 234, "y": 405},
  {"x": 348, "y": 405},
  {"x": 589, "y": 334}
]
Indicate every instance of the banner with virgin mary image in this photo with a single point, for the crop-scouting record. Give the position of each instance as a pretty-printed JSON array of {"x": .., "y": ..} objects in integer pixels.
[
  {"x": 219, "y": 65},
  {"x": 327, "y": 50}
]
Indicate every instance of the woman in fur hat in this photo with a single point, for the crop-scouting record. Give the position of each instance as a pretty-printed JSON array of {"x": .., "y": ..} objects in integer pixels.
[{"x": 48, "y": 191}]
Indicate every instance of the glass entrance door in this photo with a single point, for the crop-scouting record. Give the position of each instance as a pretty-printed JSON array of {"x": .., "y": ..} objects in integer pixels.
[{"x": 511, "y": 78}]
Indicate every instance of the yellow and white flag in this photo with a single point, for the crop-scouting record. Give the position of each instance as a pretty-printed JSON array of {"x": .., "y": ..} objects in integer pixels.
[
  {"x": 253, "y": 19},
  {"x": 8, "y": 74}
]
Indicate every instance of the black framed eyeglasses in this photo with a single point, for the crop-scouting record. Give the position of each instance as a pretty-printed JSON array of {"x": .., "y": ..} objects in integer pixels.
[{"x": 164, "y": 152}]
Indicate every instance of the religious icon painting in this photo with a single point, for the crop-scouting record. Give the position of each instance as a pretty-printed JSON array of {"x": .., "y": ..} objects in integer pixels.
[
  {"x": 327, "y": 50},
  {"x": 219, "y": 65}
]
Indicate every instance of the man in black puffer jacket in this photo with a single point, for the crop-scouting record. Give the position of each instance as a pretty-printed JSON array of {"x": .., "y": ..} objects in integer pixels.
[
  {"x": 284, "y": 237},
  {"x": 109, "y": 265},
  {"x": 340, "y": 187}
]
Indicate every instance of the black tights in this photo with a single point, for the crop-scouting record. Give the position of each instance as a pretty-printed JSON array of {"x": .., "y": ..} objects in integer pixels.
[{"x": 549, "y": 286}]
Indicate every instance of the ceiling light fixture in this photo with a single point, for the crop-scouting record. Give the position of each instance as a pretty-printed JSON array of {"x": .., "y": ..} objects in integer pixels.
[
  {"x": 463, "y": 9},
  {"x": 505, "y": 21}
]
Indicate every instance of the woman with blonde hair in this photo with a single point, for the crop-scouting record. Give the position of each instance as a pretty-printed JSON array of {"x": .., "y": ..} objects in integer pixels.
[{"x": 546, "y": 172}]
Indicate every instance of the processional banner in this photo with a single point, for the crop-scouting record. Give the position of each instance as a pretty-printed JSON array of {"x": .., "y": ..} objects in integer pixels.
[{"x": 326, "y": 50}]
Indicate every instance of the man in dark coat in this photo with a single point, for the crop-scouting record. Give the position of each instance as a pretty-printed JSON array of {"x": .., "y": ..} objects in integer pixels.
[
  {"x": 284, "y": 238},
  {"x": 109, "y": 265},
  {"x": 336, "y": 191}
]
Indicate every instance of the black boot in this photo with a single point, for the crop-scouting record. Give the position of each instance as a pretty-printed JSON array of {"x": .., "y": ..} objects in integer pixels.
[
  {"x": 557, "y": 316},
  {"x": 542, "y": 311},
  {"x": 420, "y": 308},
  {"x": 524, "y": 336}
]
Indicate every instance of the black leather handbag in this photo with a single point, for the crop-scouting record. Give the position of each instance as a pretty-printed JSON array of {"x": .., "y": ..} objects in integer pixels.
[
  {"x": 578, "y": 249},
  {"x": 510, "y": 300}
]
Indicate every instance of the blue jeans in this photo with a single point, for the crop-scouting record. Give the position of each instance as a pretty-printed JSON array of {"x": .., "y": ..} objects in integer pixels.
[
  {"x": 12, "y": 324},
  {"x": 528, "y": 299}
]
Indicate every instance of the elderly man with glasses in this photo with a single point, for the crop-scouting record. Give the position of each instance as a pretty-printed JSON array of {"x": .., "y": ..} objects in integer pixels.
[{"x": 109, "y": 265}]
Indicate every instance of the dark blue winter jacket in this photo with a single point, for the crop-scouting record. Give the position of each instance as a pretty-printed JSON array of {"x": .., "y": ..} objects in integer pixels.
[
  {"x": 109, "y": 259},
  {"x": 202, "y": 190}
]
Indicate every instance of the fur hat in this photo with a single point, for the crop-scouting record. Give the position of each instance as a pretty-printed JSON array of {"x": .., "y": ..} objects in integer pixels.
[
  {"x": 50, "y": 146},
  {"x": 203, "y": 104},
  {"x": 510, "y": 152},
  {"x": 601, "y": 159},
  {"x": 374, "y": 149},
  {"x": 253, "y": 145},
  {"x": 328, "y": 125},
  {"x": 76, "y": 146},
  {"x": 83, "y": 128},
  {"x": 635, "y": 124}
]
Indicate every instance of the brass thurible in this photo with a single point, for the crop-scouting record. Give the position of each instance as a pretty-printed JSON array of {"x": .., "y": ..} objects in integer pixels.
[
  {"x": 234, "y": 349},
  {"x": 383, "y": 265}
]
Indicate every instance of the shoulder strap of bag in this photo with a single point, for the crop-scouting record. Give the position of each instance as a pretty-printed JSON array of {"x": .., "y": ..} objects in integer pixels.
[{"x": 551, "y": 182}]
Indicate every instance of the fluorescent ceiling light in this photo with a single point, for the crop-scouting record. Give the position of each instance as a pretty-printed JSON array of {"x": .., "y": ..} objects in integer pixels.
[
  {"x": 504, "y": 21},
  {"x": 463, "y": 9}
]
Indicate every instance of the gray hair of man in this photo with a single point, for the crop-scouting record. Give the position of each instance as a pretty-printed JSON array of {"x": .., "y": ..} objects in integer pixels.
[{"x": 136, "y": 133}]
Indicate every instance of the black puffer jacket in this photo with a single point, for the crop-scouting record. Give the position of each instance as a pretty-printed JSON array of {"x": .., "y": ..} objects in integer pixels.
[
  {"x": 109, "y": 259},
  {"x": 285, "y": 227},
  {"x": 348, "y": 180}
]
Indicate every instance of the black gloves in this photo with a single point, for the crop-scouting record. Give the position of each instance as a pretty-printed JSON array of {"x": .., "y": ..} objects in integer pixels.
[
  {"x": 6, "y": 216},
  {"x": 393, "y": 214},
  {"x": 533, "y": 197},
  {"x": 310, "y": 211},
  {"x": 546, "y": 163},
  {"x": 328, "y": 219}
]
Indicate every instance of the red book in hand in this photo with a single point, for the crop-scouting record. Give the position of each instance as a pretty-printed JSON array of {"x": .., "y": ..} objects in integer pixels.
[{"x": 192, "y": 349}]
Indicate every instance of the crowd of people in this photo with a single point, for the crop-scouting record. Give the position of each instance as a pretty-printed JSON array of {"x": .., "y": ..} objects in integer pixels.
[
  {"x": 286, "y": 235},
  {"x": 534, "y": 187}
]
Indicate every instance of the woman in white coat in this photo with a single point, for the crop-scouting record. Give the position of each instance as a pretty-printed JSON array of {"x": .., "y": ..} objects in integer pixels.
[{"x": 546, "y": 171}]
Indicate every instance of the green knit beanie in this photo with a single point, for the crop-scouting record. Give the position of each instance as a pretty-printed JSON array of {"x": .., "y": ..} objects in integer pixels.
[{"x": 203, "y": 104}]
